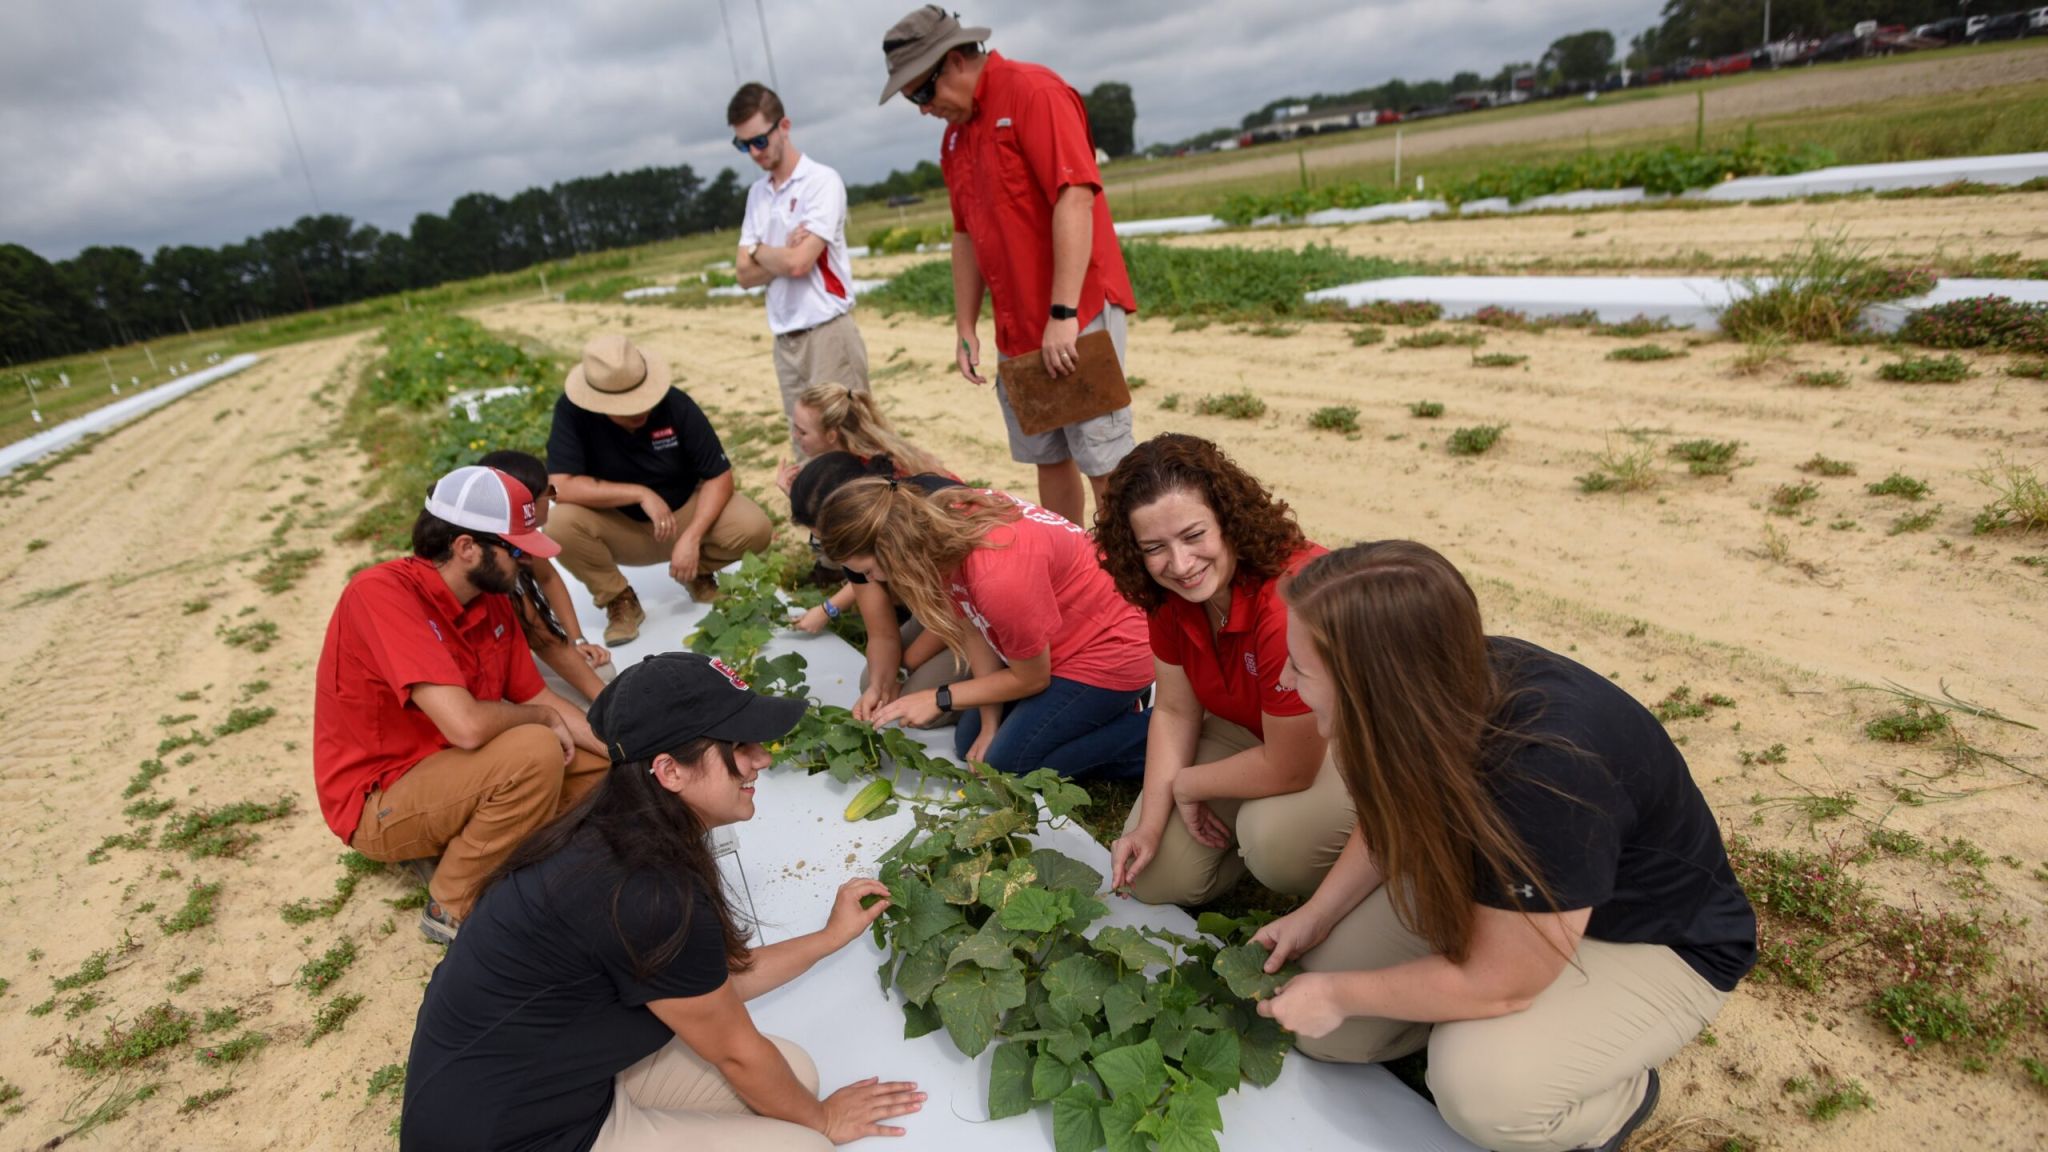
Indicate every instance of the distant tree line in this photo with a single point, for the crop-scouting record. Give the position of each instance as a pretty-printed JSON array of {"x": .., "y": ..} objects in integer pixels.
[{"x": 106, "y": 296}]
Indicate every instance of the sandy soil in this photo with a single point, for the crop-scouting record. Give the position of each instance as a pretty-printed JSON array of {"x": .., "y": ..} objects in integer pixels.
[
  {"x": 1794, "y": 91},
  {"x": 1693, "y": 583}
]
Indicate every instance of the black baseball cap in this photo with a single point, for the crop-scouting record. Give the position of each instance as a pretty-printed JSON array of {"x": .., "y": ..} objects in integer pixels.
[{"x": 667, "y": 700}]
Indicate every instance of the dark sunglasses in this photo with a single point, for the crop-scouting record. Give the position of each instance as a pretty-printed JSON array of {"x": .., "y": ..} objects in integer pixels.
[
  {"x": 818, "y": 553},
  {"x": 498, "y": 542},
  {"x": 925, "y": 93},
  {"x": 757, "y": 143}
]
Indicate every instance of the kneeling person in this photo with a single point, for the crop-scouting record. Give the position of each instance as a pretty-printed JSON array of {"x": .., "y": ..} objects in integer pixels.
[
  {"x": 433, "y": 734},
  {"x": 641, "y": 478}
]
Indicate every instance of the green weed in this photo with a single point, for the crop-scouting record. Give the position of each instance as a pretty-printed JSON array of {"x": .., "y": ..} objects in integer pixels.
[
  {"x": 1821, "y": 465},
  {"x": 1240, "y": 405},
  {"x": 191, "y": 739},
  {"x": 1426, "y": 409},
  {"x": 1498, "y": 360},
  {"x": 1707, "y": 457},
  {"x": 1400, "y": 313},
  {"x": 1622, "y": 469},
  {"x": 220, "y": 831},
  {"x": 38, "y": 544},
  {"x": 197, "y": 912},
  {"x": 1787, "y": 499},
  {"x": 333, "y": 1015},
  {"x": 1494, "y": 316},
  {"x": 1775, "y": 754},
  {"x": 1948, "y": 369},
  {"x": 1441, "y": 338},
  {"x": 2021, "y": 500},
  {"x": 220, "y": 1019},
  {"x": 204, "y": 1100},
  {"x": 1899, "y": 484},
  {"x": 256, "y": 636},
  {"x": 1170, "y": 402},
  {"x": 254, "y": 688},
  {"x": 1816, "y": 293},
  {"x": 144, "y": 777},
  {"x": 91, "y": 971},
  {"x": 1366, "y": 335},
  {"x": 282, "y": 570},
  {"x": 355, "y": 866},
  {"x": 160, "y": 1027},
  {"x": 388, "y": 1080},
  {"x": 185, "y": 980},
  {"x": 316, "y": 975},
  {"x": 44, "y": 595},
  {"x": 195, "y": 607},
  {"x": 1839, "y": 1097},
  {"x": 82, "y": 1005},
  {"x": 1474, "y": 441},
  {"x": 1908, "y": 725},
  {"x": 1271, "y": 331},
  {"x": 1646, "y": 352},
  {"x": 2028, "y": 369},
  {"x": 147, "y": 809},
  {"x": 1638, "y": 327},
  {"x": 1919, "y": 521},
  {"x": 1680, "y": 704},
  {"x": 130, "y": 841},
  {"x": 1822, "y": 379},
  {"x": 1894, "y": 842},
  {"x": 43, "y": 1007},
  {"x": 1337, "y": 418},
  {"x": 243, "y": 719},
  {"x": 234, "y": 1051}
]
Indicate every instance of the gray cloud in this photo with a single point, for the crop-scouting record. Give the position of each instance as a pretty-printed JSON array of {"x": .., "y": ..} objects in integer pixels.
[{"x": 146, "y": 123}]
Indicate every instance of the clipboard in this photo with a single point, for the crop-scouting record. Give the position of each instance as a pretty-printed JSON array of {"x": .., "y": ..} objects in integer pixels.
[{"x": 1096, "y": 387}]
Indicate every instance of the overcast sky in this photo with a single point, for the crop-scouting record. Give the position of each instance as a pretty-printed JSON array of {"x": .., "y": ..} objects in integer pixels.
[{"x": 149, "y": 122}]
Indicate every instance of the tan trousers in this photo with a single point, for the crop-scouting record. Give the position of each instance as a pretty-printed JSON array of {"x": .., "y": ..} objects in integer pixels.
[
  {"x": 942, "y": 669},
  {"x": 1288, "y": 842},
  {"x": 471, "y": 808},
  {"x": 596, "y": 541},
  {"x": 831, "y": 353},
  {"x": 675, "y": 1100},
  {"x": 1567, "y": 1072}
]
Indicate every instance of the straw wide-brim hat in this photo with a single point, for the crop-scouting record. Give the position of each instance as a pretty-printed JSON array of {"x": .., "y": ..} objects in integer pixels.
[
  {"x": 617, "y": 379},
  {"x": 917, "y": 42}
]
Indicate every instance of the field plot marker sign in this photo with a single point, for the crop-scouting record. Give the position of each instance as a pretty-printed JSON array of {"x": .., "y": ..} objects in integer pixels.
[{"x": 35, "y": 406}]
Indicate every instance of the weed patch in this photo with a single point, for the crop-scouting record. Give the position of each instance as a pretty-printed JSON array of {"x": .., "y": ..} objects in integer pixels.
[
  {"x": 1919, "y": 521},
  {"x": 204, "y": 1100},
  {"x": 159, "y": 1028},
  {"x": 315, "y": 976},
  {"x": 1474, "y": 441},
  {"x": 1645, "y": 352},
  {"x": 197, "y": 912},
  {"x": 183, "y": 981},
  {"x": 243, "y": 719},
  {"x": 333, "y": 1015},
  {"x": 1787, "y": 499},
  {"x": 221, "y": 831},
  {"x": 1822, "y": 379},
  {"x": 1899, "y": 484},
  {"x": 234, "y": 1051},
  {"x": 1680, "y": 704},
  {"x": 131, "y": 841},
  {"x": 255, "y": 636},
  {"x": 1441, "y": 338},
  {"x": 1240, "y": 405},
  {"x": 44, "y": 595},
  {"x": 1367, "y": 335},
  {"x": 1425, "y": 409},
  {"x": 282, "y": 570},
  {"x": 1820, "y": 465},
  {"x": 1981, "y": 322},
  {"x": 91, "y": 971},
  {"x": 2020, "y": 501},
  {"x": 1399, "y": 313},
  {"x": 1498, "y": 360},
  {"x": 1622, "y": 469},
  {"x": 388, "y": 1080},
  {"x": 1494, "y": 316},
  {"x": 1637, "y": 327},
  {"x": 1817, "y": 293},
  {"x": 354, "y": 867},
  {"x": 1948, "y": 369},
  {"x": 1911, "y": 724},
  {"x": 144, "y": 777},
  {"x": 1707, "y": 457},
  {"x": 1337, "y": 418},
  {"x": 2028, "y": 369}
]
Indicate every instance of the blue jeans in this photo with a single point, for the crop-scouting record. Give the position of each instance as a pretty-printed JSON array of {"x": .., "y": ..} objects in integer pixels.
[{"x": 1074, "y": 729}]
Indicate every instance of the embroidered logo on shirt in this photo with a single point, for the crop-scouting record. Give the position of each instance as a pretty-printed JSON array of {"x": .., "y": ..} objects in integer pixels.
[
  {"x": 792, "y": 205},
  {"x": 498, "y": 633},
  {"x": 664, "y": 438},
  {"x": 1251, "y": 665},
  {"x": 437, "y": 632},
  {"x": 1003, "y": 123}
]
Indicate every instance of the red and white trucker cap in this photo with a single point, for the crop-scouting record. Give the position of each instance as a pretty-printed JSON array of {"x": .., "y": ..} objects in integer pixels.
[{"x": 487, "y": 500}]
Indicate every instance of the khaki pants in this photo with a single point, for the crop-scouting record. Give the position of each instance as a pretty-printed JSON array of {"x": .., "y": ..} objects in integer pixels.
[
  {"x": 1567, "y": 1072},
  {"x": 1288, "y": 842},
  {"x": 471, "y": 808},
  {"x": 831, "y": 353},
  {"x": 596, "y": 541},
  {"x": 674, "y": 1099}
]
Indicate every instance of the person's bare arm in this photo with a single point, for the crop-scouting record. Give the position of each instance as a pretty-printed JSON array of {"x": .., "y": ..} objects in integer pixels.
[
  {"x": 469, "y": 723},
  {"x": 1170, "y": 741},
  {"x": 590, "y": 492},
  {"x": 712, "y": 497},
  {"x": 778, "y": 963},
  {"x": 968, "y": 289},
  {"x": 1287, "y": 762},
  {"x": 993, "y": 685},
  {"x": 794, "y": 259},
  {"x": 1073, "y": 237},
  {"x": 748, "y": 271},
  {"x": 572, "y": 719}
]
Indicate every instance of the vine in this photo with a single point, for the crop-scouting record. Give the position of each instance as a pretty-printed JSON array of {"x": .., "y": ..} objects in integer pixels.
[{"x": 1130, "y": 1035}]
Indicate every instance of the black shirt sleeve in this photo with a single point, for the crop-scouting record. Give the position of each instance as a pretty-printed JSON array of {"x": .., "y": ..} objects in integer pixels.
[
  {"x": 1569, "y": 813},
  {"x": 649, "y": 911},
  {"x": 567, "y": 452},
  {"x": 700, "y": 441}
]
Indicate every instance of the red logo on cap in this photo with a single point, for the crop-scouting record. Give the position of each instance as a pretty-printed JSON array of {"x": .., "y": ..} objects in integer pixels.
[{"x": 731, "y": 676}]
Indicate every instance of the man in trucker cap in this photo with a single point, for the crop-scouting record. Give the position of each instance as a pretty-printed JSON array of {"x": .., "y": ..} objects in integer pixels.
[{"x": 433, "y": 734}]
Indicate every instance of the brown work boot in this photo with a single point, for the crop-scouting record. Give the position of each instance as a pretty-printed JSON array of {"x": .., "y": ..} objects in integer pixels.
[
  {"x": 623, "y": 619},
  {"x": 704, "y": 589}
]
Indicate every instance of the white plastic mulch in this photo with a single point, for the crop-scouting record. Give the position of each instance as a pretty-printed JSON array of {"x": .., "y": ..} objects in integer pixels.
[
  {"x": 799, "y": 848},
  {"x": 114, "y": 415}
]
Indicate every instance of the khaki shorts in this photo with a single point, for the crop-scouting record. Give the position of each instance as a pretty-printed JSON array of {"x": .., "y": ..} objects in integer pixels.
[{"x": 1096, "y": 445}]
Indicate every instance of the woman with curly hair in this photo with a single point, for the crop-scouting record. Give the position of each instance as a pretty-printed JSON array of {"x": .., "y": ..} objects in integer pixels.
[
  {"x": 1536, "y": 891},
  {"x": 1235, "y": 772},
  {"x": 1061, "y": 672},
  {"x": 834, "y": 418}
]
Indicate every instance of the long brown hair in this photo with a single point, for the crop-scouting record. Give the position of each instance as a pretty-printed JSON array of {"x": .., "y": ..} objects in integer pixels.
[
  {"x": 1258, "y": 527},
  {"x": 863, "y": 429},
  {"x": 1397, "y": 628},
  {"x": 918, "y": 540},
  {"x": 650, "y": 831}
]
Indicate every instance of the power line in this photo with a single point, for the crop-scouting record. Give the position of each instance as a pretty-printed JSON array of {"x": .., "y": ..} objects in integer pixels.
[
  {"x": 725, "y": 21},
  {"x": 290, "y": 127},
  {"x": 762, "y": 15}
]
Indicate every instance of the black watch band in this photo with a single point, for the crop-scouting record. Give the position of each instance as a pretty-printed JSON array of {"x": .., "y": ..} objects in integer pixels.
[
  {"x": 944, "y": 696},
  {"x": 1063, "y": 312}
]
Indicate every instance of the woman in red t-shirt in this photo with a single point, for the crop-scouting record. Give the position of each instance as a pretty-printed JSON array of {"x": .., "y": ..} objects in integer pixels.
[
  {"x": 1236, "y": 776},
  {"x": 1061, "y": 667}
]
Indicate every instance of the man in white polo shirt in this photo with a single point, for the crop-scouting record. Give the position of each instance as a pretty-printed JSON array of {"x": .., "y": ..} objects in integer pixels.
[{"x": 794, "y": 241}]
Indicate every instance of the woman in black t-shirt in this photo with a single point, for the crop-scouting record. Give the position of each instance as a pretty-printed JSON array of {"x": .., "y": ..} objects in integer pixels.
[
  {"x": 595, "y": 999},
  {"x": 1536, "y": 889}
]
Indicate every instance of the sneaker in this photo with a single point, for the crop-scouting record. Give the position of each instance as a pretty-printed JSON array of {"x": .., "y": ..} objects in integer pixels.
[
  {"x": 437, "y": 925},
  {"x": 1635, "y": 1121},
  {"x": 624, "y": 617},
  {"x": 704, "y": 589}
]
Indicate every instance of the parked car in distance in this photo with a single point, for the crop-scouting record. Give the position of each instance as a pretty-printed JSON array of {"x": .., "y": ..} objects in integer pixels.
[
  {"x": 2010, "y": 26},
  {"x": 2037, "y": 22}
]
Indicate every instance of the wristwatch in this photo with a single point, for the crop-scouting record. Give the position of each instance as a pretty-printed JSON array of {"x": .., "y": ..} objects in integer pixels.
[
  {"x": 1063, "y": 312},
  {"x": 831, "y": 610},
  {"x": 754, "y": 251},
  {"x": 944, "y": 696}
]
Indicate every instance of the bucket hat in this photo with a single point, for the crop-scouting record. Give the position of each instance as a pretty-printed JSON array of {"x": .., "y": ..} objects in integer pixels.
[{"x": 918, "y": 41}]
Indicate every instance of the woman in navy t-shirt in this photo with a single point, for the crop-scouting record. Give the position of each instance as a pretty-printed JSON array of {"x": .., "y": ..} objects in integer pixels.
[
  {"x": 595, "y": 998},
  {"x": 1536, "y": 889}
]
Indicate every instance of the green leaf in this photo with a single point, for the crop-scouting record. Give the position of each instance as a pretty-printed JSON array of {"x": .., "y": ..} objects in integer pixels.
[
  {"x": 1132, "y": 950},
  {"x": 1087, "y": 910},
  {"x": 1217, "y": 924},
  {"x": 923, "y": 969},
  {"x": 926, "y": 851},
  {"x": 1192, "y": 1120},
  {"x": 1170, "y": 1032},
  {"x": 1050, "y": 1076},
  {"x": 919, "y": 1020},
  {"x": 1076, "y": 1121},
  {"x": 1262, "y": 1047},
  {"x": 994, "y": 826},
  {"x": 925, "y": 913},
  {"x": 1138, "y": 1070},
  {"x": 989, "y": 951},
  {"x": 1125, "y": 1004},
  {"x": 1071, "y": 1044},
  {"x": 1009, "y": 1082},
  {"x": 1059, "y": 870},
  {"x": 959, "y": 883},
  {"x": 1036, "y": 910},
  {"x": 1081, "y": 981},
  {"x": 1062, "y": 797},
  {"x": 1243, "y": 968},
  {"x": 971, "y": 1002},
  {"x": 1120, "y": 1120},
  {"x": 1000, "y": 884},
  {"x": 1212, "y": 1058}
]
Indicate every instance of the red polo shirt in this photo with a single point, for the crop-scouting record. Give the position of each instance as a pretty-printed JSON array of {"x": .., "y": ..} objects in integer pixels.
[
  {"x": 398, "y": 625},
  {"x": 1235, "y": 671},
  {"x": 1004, "y": 168}
]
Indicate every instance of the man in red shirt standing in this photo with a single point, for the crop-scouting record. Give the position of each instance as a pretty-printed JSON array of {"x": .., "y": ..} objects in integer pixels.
[
  {"x": 433, "y": 734},
  {"x": 1031, "y": 229}
]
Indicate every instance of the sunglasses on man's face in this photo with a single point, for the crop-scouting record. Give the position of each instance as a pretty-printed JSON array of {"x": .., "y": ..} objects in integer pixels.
[
  {"x": 496, "y": 542},
  {"x": 925, "y": 93},
  {"x": 753, "y": 144}
]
